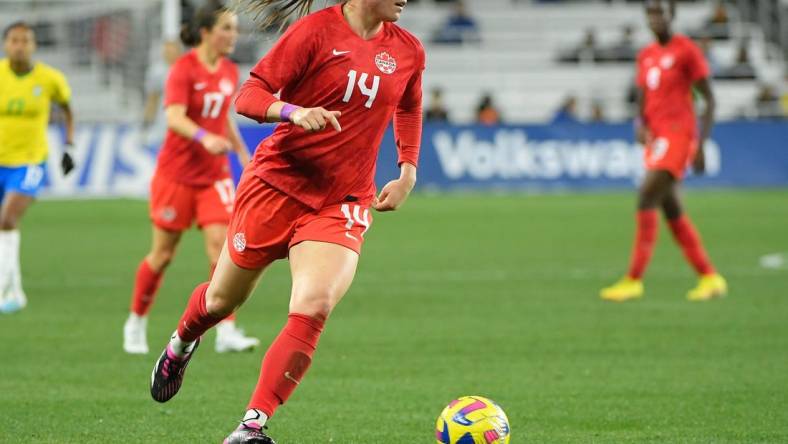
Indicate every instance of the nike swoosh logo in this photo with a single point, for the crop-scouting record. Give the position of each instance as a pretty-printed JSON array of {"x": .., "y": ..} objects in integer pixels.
[
  {"x": 287, "y": 376},
  {"x": 199, "y": 86},
  {"x": 338, "y": 53}
]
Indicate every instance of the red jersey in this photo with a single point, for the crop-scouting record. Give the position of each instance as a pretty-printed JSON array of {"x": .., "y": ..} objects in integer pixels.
[
  {"x": 321, "y": 62},
  {"x": 207, "y": 97},
  {"x": 666, "y": 75}
]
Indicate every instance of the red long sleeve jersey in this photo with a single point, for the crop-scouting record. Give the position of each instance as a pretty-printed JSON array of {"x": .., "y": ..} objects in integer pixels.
[
  {"x": 321, "y": 62},
  {"x": 207, "y": 97},
  {"x": 666, "y": 75}
]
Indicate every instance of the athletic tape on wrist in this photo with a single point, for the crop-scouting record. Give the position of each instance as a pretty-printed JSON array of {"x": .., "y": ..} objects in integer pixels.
[
  {"x": 199, "y": 135},
  {"x": 287, "y": 110}
]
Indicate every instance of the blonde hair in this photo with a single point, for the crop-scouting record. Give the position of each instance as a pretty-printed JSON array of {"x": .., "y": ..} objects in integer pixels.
[{"x": 275, "y": 13}]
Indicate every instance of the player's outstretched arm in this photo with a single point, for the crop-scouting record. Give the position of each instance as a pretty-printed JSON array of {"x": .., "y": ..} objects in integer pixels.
[
  {"x": 703, "y": 86},
  {"x": 642, "y": 133},
  {"x": 178, "y": 121},
  {"x": 256, "y": 101}
]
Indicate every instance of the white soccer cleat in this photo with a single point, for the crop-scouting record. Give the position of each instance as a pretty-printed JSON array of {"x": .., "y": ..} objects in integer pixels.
[
  {"x": 135, "y": 339},
  {"x": 230, "y": 338},
  {"x": 13, "y": 303}
]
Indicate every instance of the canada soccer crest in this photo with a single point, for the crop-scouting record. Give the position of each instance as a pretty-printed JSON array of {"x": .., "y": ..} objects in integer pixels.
[
  {"x": 239, "y": 242},
  {"x": 386, "y": 63},
  {"x": 226, "y": 87},
  {"x": 666, "y": 62}
]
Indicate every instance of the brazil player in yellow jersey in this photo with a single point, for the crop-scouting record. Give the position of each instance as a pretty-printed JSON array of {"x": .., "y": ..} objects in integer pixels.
[{"x": 27, "y": 89}]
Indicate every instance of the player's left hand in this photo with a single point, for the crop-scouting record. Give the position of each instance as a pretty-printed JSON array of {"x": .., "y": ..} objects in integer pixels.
[
  {"x": 66, "y": 163},
  {"x": 393, "y": 195},
  {"x": 699, "y": 162}
]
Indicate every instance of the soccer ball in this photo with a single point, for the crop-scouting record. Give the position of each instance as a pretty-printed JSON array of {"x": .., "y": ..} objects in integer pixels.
[{"x": 473, "y": 420}]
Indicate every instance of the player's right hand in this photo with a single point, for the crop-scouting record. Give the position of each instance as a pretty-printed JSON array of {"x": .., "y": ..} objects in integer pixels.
[
  {"x": 216, "y": 144},
  {"x": 315, "y": 119}
]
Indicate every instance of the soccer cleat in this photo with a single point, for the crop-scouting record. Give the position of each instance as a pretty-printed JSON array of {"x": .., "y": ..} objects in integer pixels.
[
  {"x": 168, "y": 372},
  {"x": 249, "y": 432},
  {"x": 709, "y": 286},
  {"x": 623, "y": 290},
  {"x": 230, "y": 338},
  {"x": 13, "y": 303},
  {"x": 134, "y": 335}
]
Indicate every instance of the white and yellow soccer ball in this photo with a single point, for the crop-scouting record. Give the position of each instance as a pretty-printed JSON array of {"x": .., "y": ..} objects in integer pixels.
[{"x": 472, "y": 420}]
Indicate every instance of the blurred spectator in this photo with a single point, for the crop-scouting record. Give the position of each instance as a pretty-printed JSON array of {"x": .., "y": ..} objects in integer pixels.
[
  {"x": 785, "y": 96},
  {"x": 741, "y": 69},
  {"x": 459, "y": 28},
  {"x": 486, "y": 112},
  {"x": 597, "y": 112},
  {"x": 717, "y": 26},
  {"x": 567, "y": 113},
  {"x": 704, "y": 43},
  {"x": 111, "y": 42},
  {"x": 624, "y": 50},
  {"x": 155, "y": 78},
  {"x": 437, "y": 111},
  {"x": 585, "y": 51},
  {"x": 767, "y": 103}
]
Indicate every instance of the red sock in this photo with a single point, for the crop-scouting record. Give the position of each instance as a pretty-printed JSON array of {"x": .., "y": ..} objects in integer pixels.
[
  {"x": 196, "y": 320},
  {"x": 145, "y": 287},
  {"x": 687, "y": 237},
  {"x": 645, "y": 239},
  {"x": 286, "y": 362},
  {"x": 231, "y": 317}
]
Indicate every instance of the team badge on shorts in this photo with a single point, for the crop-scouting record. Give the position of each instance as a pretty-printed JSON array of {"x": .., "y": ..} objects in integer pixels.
[
  {"x": 168, "y": 214},
  {"x": 239, "y": 242},
  {"x": 386, "y": 63},
  {"x": 226, "y": 87}
]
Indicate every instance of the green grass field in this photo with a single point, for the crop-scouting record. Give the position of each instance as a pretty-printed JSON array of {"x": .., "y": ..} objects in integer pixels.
[{"x": 455, "y": 295}]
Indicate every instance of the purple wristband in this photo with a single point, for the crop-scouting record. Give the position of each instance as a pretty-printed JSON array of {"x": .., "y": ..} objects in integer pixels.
[
  {"x": 287, "y": 110},
  {"x": 199, "y": 135}
]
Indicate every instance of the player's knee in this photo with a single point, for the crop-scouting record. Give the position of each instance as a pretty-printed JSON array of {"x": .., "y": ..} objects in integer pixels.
[
  {"x": 160, "y": 259},
  {"x": 8, "y": 223},
  {"x": 648, "y": 199},
  {"x": 317, "y": 303},
  {"x": 219, "y": 303}
]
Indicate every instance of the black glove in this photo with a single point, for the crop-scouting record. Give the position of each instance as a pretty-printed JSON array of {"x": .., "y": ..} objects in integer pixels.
[{"x": 67, "y": 162}]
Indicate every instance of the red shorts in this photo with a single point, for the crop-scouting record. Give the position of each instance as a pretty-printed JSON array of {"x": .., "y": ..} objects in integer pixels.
[
  {"x": 175, "y": 206},
  {"x": 671, "y": 151},
  {"x": 266, "y": 223}
]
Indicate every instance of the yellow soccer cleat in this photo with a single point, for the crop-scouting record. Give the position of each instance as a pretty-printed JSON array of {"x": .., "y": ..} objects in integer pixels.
[
  {"x": 623, "y": 290},
  {"x": 709, "y": 286}
]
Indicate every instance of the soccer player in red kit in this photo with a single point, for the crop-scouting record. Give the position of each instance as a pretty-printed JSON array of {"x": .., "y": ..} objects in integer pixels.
[
  {"x": 667, "y": 71},
  {"x": 192, "y": 179},
  {"x": 342, "y": 73}
]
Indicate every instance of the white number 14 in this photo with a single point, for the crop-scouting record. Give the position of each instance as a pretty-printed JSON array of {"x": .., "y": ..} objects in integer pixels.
[{"x": 371, "y": 93}]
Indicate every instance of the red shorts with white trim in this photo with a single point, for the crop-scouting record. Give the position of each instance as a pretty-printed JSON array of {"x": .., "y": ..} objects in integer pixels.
[
  {"x": 175, "y": 206},
  {"x": 671, "y": 151},
  {"x": 266, "y": 223}
]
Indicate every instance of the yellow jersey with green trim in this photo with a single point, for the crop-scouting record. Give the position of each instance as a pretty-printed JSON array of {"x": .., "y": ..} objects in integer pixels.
[{"x": 25, "y": 101}]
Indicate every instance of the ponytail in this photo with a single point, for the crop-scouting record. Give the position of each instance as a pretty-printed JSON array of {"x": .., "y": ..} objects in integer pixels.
[
  {"x": 205, "y": 18},
  {"x": 276, "y": 13}
]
